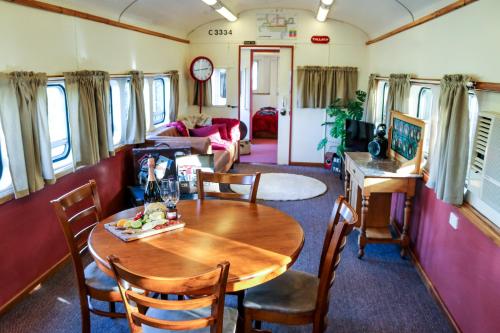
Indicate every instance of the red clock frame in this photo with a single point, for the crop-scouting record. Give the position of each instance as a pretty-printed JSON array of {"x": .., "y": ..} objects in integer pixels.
[{"x": 191, "y": 69}]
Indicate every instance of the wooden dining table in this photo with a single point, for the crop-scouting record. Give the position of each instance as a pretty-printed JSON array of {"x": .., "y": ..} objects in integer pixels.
[{"x": 258, "y": 241}]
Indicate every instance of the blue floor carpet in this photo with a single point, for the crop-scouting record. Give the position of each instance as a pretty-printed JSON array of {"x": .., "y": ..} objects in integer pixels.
[{"x": 380, "y": 293}]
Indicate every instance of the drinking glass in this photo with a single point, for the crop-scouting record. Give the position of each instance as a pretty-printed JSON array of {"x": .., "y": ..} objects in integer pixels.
[
  {"x": 164, "y": 191},
  {"x": 172, "y": 191}
]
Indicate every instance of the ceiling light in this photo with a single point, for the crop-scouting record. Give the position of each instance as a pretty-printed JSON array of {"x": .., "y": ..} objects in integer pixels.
[
  {"x": 226, "y": 13},
  {"x": 221, "y": 9},
  {"x": 324, "y": 2},
  {"x": 322, "y": 13}
]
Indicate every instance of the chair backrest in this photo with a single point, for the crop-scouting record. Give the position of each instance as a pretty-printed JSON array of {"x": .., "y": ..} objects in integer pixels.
[
  {"x": 227, "y": 178},
  {"x": 342, "y": 221},
  {"x": 69, "y": 216},
  {"x": 205, "y": 290}
]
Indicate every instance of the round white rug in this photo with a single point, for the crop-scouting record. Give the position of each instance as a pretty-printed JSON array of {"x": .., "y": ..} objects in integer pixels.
[{"x": 284, "y": 187}]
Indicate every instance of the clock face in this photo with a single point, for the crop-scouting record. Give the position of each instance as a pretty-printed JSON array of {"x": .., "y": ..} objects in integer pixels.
[{"x": 202, "y": 69}]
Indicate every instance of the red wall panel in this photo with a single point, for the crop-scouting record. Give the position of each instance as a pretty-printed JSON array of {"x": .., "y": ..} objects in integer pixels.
[
  {"x": 31, "y": 240},
  {"x": 463, "y": 264}
]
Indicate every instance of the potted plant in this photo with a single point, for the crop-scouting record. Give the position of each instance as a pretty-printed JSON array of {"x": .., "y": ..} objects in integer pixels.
[{"x": 338, "y": 112}]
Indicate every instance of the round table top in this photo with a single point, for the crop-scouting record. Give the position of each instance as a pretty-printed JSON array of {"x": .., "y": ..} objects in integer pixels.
[{"x": 259, "y": 242}]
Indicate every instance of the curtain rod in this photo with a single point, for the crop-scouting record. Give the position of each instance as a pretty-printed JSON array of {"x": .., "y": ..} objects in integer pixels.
[
  {"x": 115, "y": 76},
  {"x": 476, "y": 85}
]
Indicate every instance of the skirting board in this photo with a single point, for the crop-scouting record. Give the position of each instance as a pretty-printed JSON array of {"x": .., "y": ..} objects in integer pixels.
[
  {"x": 308, "y": 164},
  {"x": 23, "y": 293}
]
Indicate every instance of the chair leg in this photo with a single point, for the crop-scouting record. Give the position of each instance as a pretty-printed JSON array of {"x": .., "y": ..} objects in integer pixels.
[
  {"x": 85, "y": 314},
  {"x": 241, "y": 297},
  {"x": 258, "y": 324},
  {"x": 247, "y": 327},
  {"x": 112, "y": 307}
]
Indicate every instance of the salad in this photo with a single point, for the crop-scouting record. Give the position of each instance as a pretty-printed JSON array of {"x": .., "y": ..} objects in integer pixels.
[{"x": 154, "y": 217}]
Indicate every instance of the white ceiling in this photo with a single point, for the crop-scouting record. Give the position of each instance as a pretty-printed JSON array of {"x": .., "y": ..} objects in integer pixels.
[{"x": 182, "y": 16}]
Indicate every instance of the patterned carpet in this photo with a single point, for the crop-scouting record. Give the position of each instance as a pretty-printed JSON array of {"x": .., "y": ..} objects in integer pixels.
[{"x": 381, "y": 293}]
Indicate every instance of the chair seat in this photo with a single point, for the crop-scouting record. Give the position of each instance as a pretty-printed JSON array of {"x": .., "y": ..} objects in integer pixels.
[
  {"x": 229, "y": 323},
  {"x": 291, "y": 292},
  {"x": 97, "y": 279}
]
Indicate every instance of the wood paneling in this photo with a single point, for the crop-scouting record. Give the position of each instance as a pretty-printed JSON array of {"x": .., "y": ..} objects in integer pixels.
[
  {"x": 86, "y": 16},
  {"x": 438, "y": 13}
]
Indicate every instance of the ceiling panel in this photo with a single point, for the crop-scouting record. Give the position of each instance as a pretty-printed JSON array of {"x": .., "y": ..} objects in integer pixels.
[{"x": 182, "y": 16}]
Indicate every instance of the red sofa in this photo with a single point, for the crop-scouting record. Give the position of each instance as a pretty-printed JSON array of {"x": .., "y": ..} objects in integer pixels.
[{"x": 225, "y": 152}]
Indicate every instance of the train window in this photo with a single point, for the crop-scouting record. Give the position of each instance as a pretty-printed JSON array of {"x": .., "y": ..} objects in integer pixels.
[
  {"x": 382, "y": 91},
  {"x": 159, "y": 106},
  {"x": 219, "y": 86},
  {"x": 5, "y": 180},
  {"x": 58, "y": 121},
  {"x": 424, "y": 104},
  {"x": 473, "y": 114},
  {"x": 120, "y": 99}
]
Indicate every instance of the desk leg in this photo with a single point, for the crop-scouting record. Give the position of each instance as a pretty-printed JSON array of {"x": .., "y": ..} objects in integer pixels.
[
  {"x": 405, "y": 239},
  {"x": 362, "y": 233},
  {"x": 347, "y": 186}
]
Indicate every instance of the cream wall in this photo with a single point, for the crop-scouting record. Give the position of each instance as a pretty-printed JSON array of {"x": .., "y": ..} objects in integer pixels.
[
  {"x": 55, "y": 43},
  {"x": 347, "y": 48},
  {"x": 464, "y": 41}
]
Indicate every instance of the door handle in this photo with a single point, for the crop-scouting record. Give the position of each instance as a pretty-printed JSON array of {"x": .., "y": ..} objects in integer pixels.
[{"x": 283, "y": 112}]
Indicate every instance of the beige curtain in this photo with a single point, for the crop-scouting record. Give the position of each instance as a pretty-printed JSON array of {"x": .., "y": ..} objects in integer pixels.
[
  {"x": 24, "y": 119},
  {"x": 136, "y": 118},
  {"x": 87, "y": 94},
  {"x": 450, "y": 156},
  {"x": 319, "y": 87},
  {"x": 174, "y": 95},
  {"x": 206, "y": 91},
  {"x": 398, "y": 95},
  {"x": 371, "y": 101}
]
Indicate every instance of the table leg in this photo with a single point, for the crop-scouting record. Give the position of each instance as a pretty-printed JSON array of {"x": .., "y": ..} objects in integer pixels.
[
  {"x": 347, "y": 186},
  {"x": 364, "y": 219},
  {"x": 405, "y": 239}
]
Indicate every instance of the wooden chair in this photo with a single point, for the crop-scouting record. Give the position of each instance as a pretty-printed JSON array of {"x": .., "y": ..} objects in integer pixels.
[
  {"x": 204, "y": 308},
  {"x": 227, "y": 178},
  {"x": 299, "y": 298},
  {"x": 92, "y": 282}
]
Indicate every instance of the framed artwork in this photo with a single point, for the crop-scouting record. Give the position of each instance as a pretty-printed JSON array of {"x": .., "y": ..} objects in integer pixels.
[{"x": 406, "y": 137}]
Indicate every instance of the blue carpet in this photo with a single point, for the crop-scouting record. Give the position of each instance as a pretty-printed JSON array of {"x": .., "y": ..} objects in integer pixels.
[{"x": 381, "y": 293}]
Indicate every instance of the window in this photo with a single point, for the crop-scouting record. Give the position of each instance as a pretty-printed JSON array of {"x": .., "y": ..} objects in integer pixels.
[
  {"x": 120, "y": 99},
  {"x": 382, "y": 92},
  {"x": 424, "y": 104},
  {"x": 255, "y": 75},
  {"x": 159, "y": 108},
  {"x": 473, "y": 115},
  {"x": 5, "y": 180},
  {"x": 58, "y": 122},
  {"x": 219, "y": 86}
]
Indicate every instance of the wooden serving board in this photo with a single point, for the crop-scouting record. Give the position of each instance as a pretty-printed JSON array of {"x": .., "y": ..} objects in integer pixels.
[{"x": 126, "y": 235}]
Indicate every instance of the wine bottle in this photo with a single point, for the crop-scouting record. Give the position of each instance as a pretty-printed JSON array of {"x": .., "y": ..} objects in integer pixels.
[{"x": 152, "y": 190}]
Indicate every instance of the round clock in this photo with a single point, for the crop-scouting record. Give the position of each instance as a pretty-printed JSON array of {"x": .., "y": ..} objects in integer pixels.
[{"x": 202, "y": 69}]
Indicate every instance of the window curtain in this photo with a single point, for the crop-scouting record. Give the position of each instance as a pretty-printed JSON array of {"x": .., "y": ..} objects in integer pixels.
[
  {"x": 398, "y": 95},
  {"x": 174, "y": 95},
  {"x": 136, "y": 117},
  {"x": 24, "y": 118},
  {"x": 371, "y": 101},
  {"x": 450, "y": 157},
  {"x": 206, "y": 91},
  {"x": 87, "y": 93},
  {"x": 318, "y": 87}
]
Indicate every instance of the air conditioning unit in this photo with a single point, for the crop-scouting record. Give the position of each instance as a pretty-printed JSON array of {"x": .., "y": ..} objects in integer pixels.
[{"x": 484, "y": 172}]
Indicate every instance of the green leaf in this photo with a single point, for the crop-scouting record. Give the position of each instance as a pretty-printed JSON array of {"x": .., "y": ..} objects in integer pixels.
[{"x": 322, "y": 144}]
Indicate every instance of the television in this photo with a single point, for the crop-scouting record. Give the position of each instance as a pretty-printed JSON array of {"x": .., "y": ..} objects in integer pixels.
[{"x": 358, "y": 135}]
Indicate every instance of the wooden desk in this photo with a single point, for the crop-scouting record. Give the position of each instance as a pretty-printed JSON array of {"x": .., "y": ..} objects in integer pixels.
[
  {"x": 369, "y": 185},
  {"x": 260, "y": 242}
]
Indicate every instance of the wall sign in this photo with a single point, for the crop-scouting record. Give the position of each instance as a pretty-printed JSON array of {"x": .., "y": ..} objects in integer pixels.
[
  {"x": 277, "y": 24},
  {"x": 220, "y": 32},
  {"x": 320, "y": 39}
]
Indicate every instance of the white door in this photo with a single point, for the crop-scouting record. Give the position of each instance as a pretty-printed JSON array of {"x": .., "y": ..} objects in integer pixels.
[
  {"x": 245, "y": 90},
  {"x": 284, "y": 93}
]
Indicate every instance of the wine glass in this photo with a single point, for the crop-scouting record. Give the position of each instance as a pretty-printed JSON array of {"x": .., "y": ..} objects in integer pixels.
[
  {"x": 164, "y": 191},
  {"x": 174, "y": 191}
]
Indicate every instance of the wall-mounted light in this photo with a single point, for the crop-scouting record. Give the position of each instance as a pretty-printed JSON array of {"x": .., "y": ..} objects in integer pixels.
[
  {"x": 221, "y": 9},
  {"x": 324, "y": 8}
]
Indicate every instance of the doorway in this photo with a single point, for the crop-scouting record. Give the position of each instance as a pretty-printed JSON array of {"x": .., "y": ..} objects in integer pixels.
[{"x": 265, "y": 103}]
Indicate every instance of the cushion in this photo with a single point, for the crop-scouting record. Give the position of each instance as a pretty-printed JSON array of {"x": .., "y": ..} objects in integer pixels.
[
  {"x": 212, "y": 132},
  {"x": 221, "y": 145},
  {"x": 223, "y": 131},
  {"x": 232, "y": 125},
  {"x": 229, "y": 321},
  {"x": 97, "y": 279},
  {"x": 222, "y": 160},
  {"x": 181, "y": 128},
  {"x": 292, "y": 292}
]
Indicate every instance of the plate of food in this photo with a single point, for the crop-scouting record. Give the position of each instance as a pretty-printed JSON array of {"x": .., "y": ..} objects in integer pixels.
[{"x": 151, "y": 222}]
